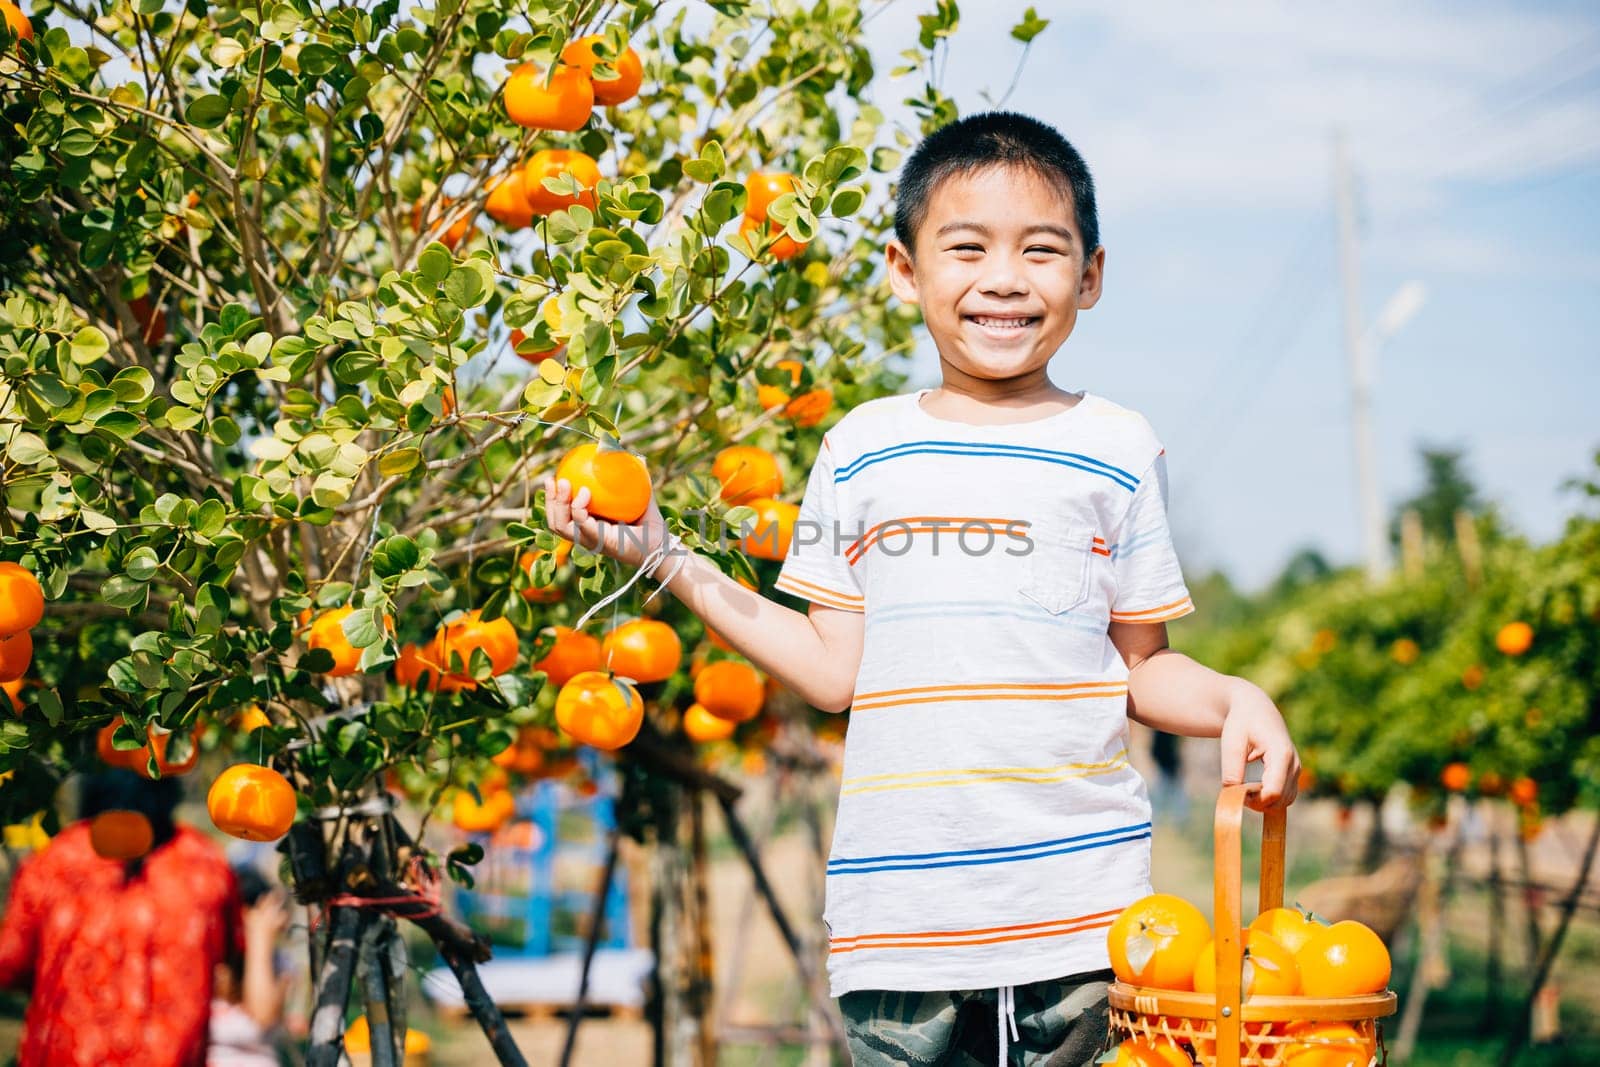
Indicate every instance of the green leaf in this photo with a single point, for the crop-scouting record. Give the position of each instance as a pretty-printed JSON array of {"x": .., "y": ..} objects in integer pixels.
[
  {"x": 464, "y": 287},
  {"x": 208, "y": 111},
  {"x": 133, "y": 385},
  {"x": 1030, "y": 26},
  {"x": 141, "y": 564},
  {"x": 89, "y": 345},
  {"x": 399, "y": 461},
  {"x": 361, "y": 627},
  {"x": 847, "y": 202}
]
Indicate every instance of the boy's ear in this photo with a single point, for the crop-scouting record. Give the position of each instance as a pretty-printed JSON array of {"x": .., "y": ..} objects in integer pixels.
[
  {"x": 902, "y": 272},
  {"x": 1093, "y": 277}
]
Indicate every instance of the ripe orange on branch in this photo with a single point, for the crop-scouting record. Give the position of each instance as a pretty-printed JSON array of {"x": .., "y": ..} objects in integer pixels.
[
  {"x": 746, "y": 472},
  {"x": 1514, "y": 638},
  {"x": 730, "y": 690},
  {"x": 21, "y": 599},
  {"x": 508, "y": 201},
  {"x": 1455, "y": 777},
  {"x": 646, "y": 650},
  {"x": 16, "y": 653},
  {"x": 702, "y": 727},
  {"x": 770, "y": 534},
  {"x": 496, "y": 808},
  {"x": 252, "y": 802},
  {"x": 460, "y": 638},
  {"x": 599, "y": 710},
  {"x": 783, "y": 247},
  {"x": 607, "y": 91},
  {"x": 563, "y": 104},
  {"x": 460, "y": 230},
  {"x": 16, "y": 20},
  {"x": 1156, "y": 940},
  {"x": 574, "y": 653},
  {"x": 761, "y": 188},
  {"x": 617, "y": 480},
  {"x": 327, "y": 631},
  {"x": 553, "y": 163}
]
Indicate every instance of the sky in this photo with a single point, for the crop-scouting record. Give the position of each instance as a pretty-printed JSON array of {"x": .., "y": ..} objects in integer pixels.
[{"x": 1473, "y": 130}]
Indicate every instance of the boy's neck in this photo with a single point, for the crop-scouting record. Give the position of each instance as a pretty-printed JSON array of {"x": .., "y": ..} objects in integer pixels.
[{"x": 977, "y": 400}]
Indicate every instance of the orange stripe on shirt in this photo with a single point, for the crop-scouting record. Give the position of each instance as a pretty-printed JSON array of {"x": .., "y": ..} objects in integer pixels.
[
  {"x": 803, "y": 584},
  {"x": 1061, "y": 932},
  {"x": 822, "y": 598},
  {"x": 980, "y": 685},
  {"x": 908, "y": 524},
  {"x": 1108, "y": 691},
  {"x": 974, "y": 933},
  {"x": 1129, "y": 616}
]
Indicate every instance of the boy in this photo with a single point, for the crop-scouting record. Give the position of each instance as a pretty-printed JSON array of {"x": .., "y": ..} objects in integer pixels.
[{"x": 990, "y": 574}]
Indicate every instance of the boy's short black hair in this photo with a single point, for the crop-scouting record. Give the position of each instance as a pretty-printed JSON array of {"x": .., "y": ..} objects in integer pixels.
[{"x": 991, "y": 139}]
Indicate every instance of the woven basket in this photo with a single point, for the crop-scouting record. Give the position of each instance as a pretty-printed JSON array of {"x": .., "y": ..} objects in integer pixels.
[{"x": 1222, "y": 1030}]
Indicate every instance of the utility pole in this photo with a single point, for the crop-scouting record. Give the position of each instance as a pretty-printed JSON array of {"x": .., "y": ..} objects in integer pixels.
[{"x": 1357, "y": 348}]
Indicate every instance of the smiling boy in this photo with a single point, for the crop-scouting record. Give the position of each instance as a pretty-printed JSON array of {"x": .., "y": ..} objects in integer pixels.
[{"x": 990, "y": 572}]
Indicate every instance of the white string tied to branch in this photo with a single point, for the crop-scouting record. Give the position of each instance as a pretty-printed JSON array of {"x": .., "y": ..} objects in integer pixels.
[{"x": 670, "y": 544}]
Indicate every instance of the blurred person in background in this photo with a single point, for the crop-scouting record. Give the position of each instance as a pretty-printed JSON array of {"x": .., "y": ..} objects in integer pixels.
[
  {"x": 247, "y": 1003},
  {"x": 118, "y": 956}
]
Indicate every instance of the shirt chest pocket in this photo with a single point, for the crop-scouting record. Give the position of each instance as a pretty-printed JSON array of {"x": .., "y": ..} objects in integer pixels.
[{"x": 1056, "y": 573}]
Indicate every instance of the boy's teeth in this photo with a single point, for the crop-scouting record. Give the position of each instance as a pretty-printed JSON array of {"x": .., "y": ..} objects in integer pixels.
[{"x": 985, "y": 320}]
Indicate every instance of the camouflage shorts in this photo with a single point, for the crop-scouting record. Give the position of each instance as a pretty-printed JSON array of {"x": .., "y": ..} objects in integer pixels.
[{"x": 1060, "y": 1022}]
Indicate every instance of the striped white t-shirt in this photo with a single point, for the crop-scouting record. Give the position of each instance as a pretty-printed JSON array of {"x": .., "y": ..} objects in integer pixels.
[{"x": 989, "y": 824}]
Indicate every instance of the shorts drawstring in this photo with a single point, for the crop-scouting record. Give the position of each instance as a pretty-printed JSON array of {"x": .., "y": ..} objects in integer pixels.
[{"x": 1006, "y": 1014}]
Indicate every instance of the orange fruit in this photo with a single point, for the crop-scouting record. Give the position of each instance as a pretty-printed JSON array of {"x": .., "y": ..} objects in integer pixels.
[
  {"x": 120, "y": 835},
  {"x": 1455, "y": 777},
  {"x": 250, "y": 719},
  {"x": 573, "y": 653},
  {"x": 536, "y": 358},
  {"x": 746, "y": 472},
  {"x": 553, "y": 163},
  {"x": 646, "y": 650},
  {"x": 1514, "y": 638},
  {"x": 508, "y": 201},
  {"x": 252, "y": 802},
  {"x": 1289, "y": 927},
  {"x": 618, "y": 481},
  {"x": 358, "y": 1039},
  {"x": 782, "y": 247},
  {"x": 761, "y": 189},
  {"x": 1269, "y": 968},
  {"x": 599, "y": 710},
  {"x": 13, "y": 691},
  {"x": 16, "y": 20},
  {"x": 412, "y": 662},
  {"x": 460, "y": 230},
  {"x": 810, "y": 408},
  {"x": 158, "y": 744},
  {"x": 774, "y": 526},
  {"x": 494, "y": 812},
  {"x": 115, "y": 757},
  {"x": 1343, "y": 960},
  {"x": 1326, "y": 1044},
  {"x": 564, "y": 104},
  {"x": 543, "y": 594},
  {"x": 16, "y": 653},
  {"x": 461, "y": 638},
  {"x": 1524, "y": 792},
  {"x": 771, "y": 396},
  {"x": 1156, "y": 1052},
  {"x": 21, "y": 599},
  {"x": 730, "y": 690},
  {"x": 700, "y": 726},
  {"x": 1156, "y": 940},
  {"x": 525, "y": 755},
  {"x": 608, "y": 91},
  {"x": 1404, "y": 651},
  {"x": 327, "y": 631},
  {"x": 152, "y": 320}
]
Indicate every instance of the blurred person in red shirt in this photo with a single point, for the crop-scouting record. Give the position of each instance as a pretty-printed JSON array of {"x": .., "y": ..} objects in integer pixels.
[{"x": 120, "y": 956}]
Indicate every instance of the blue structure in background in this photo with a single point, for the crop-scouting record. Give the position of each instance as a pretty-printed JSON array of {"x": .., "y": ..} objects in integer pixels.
[{"x": 517, "y": 903}]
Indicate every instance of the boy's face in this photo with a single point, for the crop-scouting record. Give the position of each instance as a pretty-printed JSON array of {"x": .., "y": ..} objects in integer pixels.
[{"x": 999, "y": 272}]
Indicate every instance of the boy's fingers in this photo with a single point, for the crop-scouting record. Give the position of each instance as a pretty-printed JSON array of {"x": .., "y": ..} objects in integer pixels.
[{"x": 1233, "y": 744}]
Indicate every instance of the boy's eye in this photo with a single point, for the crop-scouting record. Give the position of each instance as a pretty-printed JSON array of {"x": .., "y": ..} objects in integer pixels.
[
  {"x": 1046, "y": 249},
  {"x": 966, "y": 248}
]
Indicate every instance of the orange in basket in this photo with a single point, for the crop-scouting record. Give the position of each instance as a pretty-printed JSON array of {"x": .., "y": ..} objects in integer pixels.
[{"x": 1334, "y": 1023}]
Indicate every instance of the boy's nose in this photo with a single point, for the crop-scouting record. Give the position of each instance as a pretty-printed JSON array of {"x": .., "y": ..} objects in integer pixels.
[{"x": 1002, "y": 277}]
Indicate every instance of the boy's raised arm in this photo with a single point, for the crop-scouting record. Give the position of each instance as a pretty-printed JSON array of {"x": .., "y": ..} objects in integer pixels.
[{"x": 815, "y": 655}]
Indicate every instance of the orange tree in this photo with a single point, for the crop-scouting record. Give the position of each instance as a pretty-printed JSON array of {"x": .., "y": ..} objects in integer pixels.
[{"x": 265, "y": 427}]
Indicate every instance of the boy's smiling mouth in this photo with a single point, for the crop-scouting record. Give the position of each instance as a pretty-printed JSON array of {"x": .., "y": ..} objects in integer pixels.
[{"x": 1003, "y": 323}]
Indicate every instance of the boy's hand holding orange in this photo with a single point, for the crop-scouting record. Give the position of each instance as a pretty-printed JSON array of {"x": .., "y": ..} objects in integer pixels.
[{"x": 602, "y": 499}]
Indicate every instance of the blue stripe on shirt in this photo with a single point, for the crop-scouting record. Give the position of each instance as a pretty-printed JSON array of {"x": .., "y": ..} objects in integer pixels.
[
  {"x": 902, "y": 857},
  {"x": 961, "y": 448}
]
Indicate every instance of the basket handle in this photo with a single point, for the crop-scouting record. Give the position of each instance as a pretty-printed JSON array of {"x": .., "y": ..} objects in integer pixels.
[{"x": 1228, "y": 904}]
